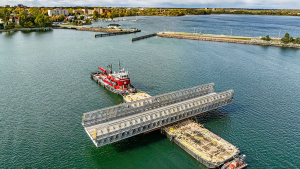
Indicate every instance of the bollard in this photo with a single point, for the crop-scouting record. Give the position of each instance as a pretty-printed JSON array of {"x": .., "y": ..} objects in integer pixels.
[{"x": 95, "y": 134}]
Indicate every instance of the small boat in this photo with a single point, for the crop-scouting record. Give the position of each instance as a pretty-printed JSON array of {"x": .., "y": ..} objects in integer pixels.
[
  {"x": 135, "y": 20},
  {"x": 237, "y": 163}
]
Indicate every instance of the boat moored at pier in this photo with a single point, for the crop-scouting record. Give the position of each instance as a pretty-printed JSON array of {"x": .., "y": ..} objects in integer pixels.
[
  {"x": 117, "y": 82},
  {"x": 237, "y": 163}
]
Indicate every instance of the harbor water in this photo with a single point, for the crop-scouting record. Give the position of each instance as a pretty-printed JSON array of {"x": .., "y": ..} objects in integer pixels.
[{"x": 46, "y": 87}]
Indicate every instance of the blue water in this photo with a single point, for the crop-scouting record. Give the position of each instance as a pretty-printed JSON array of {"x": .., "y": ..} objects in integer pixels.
[{"x": 46, "y": 87}]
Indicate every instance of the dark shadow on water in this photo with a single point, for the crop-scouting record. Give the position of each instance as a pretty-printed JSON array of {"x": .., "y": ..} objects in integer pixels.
[
  {"x": 137, "y": 141},
  {"x": 220, "y": 113},
  {"x": 142, "y": 87},
  {"x": 7, "y": 34},
  {"x": 211, "y": 116}
]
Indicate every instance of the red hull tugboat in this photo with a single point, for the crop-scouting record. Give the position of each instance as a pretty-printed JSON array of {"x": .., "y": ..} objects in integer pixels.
[
  {"x": 117, "y": 82},
  {"x": 237, "y": 163}
]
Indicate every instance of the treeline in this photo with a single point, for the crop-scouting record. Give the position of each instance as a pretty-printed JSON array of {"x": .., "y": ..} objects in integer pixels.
[
  {"x": 286, "y": 39},
  {"x": 113, "y": 13},
  {"x": 258, "y": 12},
  {"x": 33, "y": 18},
  {"x": 289, "y": 39}
]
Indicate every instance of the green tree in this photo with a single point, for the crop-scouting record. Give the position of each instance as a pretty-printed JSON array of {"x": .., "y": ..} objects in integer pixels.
[
  {"x": 28, "y": 24},
  {"x": 88, "y": 21},
  {"x": 34, "y": 11},
  {"x": 23, "y": 18},
  {"x": 4, "y": 14},
  {"x": 297, "y": 41},
  {"x": 60, "y": 18},
  {"x": 95, "y": 15},
  {"x": 268, "y": 38},
  {"x": 54, "y": 18},
  {"x": 81, "y": 17},
  {"x": 42, "y": 20},
  {"x": 286, "y": 38}
]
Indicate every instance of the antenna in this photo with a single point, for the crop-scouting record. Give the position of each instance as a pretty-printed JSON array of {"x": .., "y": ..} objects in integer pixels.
[{"x": 119, "y": 66}]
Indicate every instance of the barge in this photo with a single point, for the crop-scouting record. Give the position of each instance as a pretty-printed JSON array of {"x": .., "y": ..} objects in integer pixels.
[{"x": 206, "y": 147}]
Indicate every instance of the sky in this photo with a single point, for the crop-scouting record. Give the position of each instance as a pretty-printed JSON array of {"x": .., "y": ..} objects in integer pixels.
[{"x": 261, "y": 4}]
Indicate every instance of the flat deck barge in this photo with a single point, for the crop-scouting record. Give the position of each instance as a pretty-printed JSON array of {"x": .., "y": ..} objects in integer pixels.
[
  {"x": 135, "y": 96},
  {"x": 206, "y": 147}
]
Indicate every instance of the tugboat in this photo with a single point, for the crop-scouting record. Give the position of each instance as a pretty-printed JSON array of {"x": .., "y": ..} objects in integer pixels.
[
  {"x": 237, "y": 163},
  {"x": 117, "y": 82}
]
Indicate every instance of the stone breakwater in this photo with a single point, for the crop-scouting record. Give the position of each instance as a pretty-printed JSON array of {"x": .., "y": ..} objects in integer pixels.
[
  {"x": 99, "y": 30},
  {"x": 229, "y": 40}
]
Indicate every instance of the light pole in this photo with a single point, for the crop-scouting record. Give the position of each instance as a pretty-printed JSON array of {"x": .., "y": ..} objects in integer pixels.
[{"x": 279, "y": 34}]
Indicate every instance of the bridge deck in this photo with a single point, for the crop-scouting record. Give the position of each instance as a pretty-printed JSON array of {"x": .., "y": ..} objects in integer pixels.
[{"x": 91, "y": 129}]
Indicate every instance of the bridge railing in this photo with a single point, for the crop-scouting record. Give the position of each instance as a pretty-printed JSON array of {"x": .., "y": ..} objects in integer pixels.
[
  {"x": 157, "y": 118},
  {"x": 126, "y": 109}
]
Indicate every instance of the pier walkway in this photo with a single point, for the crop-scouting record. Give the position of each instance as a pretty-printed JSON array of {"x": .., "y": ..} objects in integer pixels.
[{"x": 112, "y": 124}]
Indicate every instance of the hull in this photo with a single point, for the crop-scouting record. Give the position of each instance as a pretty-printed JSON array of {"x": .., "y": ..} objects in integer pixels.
[{"x": 225, "y": 166}]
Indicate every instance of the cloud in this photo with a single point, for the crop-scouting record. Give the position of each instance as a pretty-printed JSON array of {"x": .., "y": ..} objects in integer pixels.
[{"x": 162, "y": 3}]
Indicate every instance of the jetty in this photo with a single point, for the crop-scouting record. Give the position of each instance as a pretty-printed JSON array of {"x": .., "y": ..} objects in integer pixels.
[
  {"x": 227, "y": 39},
  {"x": 143, "y": 37},
  {"x": 112, "y": 124},
  {"x": 112, "y": 34},
  {"x": 206, "y": 147}
]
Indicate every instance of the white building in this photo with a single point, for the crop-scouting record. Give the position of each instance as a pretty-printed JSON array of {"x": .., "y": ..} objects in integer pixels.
[{"x": 58, "y": 12}]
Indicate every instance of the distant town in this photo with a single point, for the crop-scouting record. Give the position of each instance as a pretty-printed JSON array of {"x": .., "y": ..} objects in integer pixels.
[{"x": 21, "y": 16}]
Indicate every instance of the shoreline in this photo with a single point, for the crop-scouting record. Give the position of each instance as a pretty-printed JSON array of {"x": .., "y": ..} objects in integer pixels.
[
  {"x": 27, "y": 29},
  {"x": 228, "y": 39}
]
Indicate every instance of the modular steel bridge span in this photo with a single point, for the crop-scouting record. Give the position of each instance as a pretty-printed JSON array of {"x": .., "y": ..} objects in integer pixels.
[{"x": 143, "y": 116}]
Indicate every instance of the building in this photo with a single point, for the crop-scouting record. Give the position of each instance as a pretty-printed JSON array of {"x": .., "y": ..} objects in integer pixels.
[
  {"x": 7, "y": 6},
  {"x": 78, "y": 12},
  {"x": 90, "y": 12},
  {"x": 100, "y": 10},
  {"x": 114, "y": 26},
  {"x": 16, "y": 18},
  {"x": 58, "y": 12},
  {"x": 20, "y": 5},
  {"x": 85, "y": 11}
]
